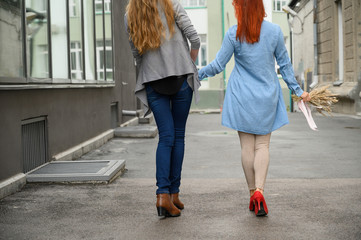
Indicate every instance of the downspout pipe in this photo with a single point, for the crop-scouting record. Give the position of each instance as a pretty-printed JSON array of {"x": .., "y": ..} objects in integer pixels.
[
  {"x": 291, "y": 56},
  {"x": 315, "y": 47},
  {"x": 223, "y": 33}
]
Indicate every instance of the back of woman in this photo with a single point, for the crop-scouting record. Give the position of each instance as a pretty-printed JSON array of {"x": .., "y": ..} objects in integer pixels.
[
  {"x": 158, "y": 31},
  {"x": 258, "y": 59},
  {"x": 253, "y": 105},
  {"x": 164, "y": 55},
  {"x": 256, "y": 82}
]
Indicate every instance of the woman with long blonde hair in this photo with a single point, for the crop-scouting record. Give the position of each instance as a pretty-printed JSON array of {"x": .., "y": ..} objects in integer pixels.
[
  {"x": 167, "y": 78},
  {"x": 253, "y": 104}
]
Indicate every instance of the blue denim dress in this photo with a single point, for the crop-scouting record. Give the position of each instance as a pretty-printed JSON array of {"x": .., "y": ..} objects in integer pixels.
[{"x": 254, "y": 102}]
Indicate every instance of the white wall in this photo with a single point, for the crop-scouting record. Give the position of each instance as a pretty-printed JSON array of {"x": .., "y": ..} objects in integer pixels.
[
  {"x": 199, "y": 18},
  {"x": 268, "y": 7}
]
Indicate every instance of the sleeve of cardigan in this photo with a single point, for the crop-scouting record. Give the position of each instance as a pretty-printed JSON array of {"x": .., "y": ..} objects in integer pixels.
[
  {"x": 135, "y": 52},
  {"x": 286, "y": 68},
  {"x": 185, "y": 25}
]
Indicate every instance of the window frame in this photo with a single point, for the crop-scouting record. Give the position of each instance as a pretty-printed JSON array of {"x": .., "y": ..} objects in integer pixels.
[
  {"x": 103, "y": 70},
  {"x": 200, "y": 55},
  {"x": 27, "y": 82},
  {"x": 187, "y": 4},
  {"x": 23, "y": 79},
  {"x": 282, "y": 4},
  {"x": 106, "y": 8}
]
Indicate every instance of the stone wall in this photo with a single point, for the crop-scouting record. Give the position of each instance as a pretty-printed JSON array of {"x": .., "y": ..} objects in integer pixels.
[{"x": 328, "y": 51}]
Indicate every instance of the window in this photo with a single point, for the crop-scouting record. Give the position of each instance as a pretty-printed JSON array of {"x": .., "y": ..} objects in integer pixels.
[
  {"x": 37, "y": 38},
  {"x": 341, "y": 60},
  {"x": 193, "y": 3},
  {"x": 108, "y": 58},
  {"x": 75, "y": 48},
  {"x": 99, "y": 6},
  {"x": 73, "y": 8},
  {"x": 76, "y": 42},
  {"x": 278, "y": 5},
  {"x": 202, "y": 56},
  {"x": 11, "y": 40},
  {"x": 59, "y": 39},
  {"x": 76, "y": 60},
  {"x": 89, "y": 43}
]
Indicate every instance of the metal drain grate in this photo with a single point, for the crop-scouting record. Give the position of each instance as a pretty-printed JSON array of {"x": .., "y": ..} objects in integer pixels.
[{"x": 78, "y": 171}]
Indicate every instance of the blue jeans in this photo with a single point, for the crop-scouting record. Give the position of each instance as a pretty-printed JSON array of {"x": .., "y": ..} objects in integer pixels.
[{"x": 170, "y": 113}]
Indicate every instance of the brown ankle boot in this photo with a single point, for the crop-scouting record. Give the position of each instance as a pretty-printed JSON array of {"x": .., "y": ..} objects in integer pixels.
[
  {"x": 174, "y": 197},
  {"x": 165, "y": 207}
]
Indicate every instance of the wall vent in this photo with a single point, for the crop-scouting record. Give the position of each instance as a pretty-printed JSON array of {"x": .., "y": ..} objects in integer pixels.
[{"x": 34, "y": 143}]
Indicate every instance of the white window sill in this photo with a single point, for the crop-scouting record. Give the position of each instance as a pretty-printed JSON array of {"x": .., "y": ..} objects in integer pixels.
[{"x": 53, "y": 86}]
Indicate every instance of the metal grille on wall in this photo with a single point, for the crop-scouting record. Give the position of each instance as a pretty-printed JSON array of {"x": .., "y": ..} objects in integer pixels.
[{"x": 34, "y": 143}]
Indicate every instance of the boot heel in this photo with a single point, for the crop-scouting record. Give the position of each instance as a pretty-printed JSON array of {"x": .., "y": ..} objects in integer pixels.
[{"x": 162, "y": 213}]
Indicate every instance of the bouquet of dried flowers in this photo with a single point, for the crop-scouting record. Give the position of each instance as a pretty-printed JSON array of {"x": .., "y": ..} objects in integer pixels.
[{"x": 322, "y": 98}]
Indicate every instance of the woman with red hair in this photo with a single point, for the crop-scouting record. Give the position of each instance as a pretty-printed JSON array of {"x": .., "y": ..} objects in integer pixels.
[{"x": 253, "y": 104}]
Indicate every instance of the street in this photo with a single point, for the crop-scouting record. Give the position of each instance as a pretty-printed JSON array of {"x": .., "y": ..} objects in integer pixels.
[{"x": 313, "y": 189}]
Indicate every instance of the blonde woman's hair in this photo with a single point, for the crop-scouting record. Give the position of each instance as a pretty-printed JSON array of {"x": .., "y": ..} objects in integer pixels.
[{"x": 146, "y": 29}]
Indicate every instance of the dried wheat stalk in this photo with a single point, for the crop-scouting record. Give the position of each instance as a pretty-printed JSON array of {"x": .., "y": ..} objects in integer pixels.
[{"x": 322, "y": 98}]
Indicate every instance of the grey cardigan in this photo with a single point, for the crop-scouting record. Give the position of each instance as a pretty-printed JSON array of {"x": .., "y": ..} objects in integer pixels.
[{"x": 172, "y": 58}]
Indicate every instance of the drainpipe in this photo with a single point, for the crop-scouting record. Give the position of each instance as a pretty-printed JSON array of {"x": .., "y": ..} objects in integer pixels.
[
  {"x": 315, "y": 48},
  {"x": 223, "y": 32},
  {"x": 291, "y": 56}
]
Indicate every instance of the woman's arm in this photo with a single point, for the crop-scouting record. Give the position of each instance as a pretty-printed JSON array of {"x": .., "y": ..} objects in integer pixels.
[
  {"x": 194, "y": 54},
  {"x": 185, "y": 25},
  {"x": 222, "y": 58},
  {"x": 286, "y": 68}
]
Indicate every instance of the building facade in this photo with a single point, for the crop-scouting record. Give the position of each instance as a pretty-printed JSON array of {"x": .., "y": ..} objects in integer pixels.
[
  {"x": 66, "y": 75},
  {"x": 206, "y": 17},
  {"x": 212, "y": 19},
  {"x": 330, "y": 54}
]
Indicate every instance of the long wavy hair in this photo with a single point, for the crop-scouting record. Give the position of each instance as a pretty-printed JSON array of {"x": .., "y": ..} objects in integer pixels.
[
  {"x": 146, "y": 29},
  {"x": 249, "y": 14}
]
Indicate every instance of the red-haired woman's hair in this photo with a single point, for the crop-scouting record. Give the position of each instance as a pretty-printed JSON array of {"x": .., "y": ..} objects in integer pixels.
[{"x": 249, "y": 14}]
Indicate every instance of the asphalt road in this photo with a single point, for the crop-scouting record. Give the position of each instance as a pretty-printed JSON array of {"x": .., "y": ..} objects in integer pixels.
[{"x": 313, "y": 189}]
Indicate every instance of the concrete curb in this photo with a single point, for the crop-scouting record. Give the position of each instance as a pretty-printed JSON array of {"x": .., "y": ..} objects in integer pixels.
[
  {"x": 136, "y": 132},
  {"x": 12, "y": 185},
  {"x": 17, "y": 182},
  {"x": 85, "y": 147}
]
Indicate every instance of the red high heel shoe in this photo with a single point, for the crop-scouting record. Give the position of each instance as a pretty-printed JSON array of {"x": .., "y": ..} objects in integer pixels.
[
  {"x": 251, "y": 203},
  {"x": 260, "y": 204}
]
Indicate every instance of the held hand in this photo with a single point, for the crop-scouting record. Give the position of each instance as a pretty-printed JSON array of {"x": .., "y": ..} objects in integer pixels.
[{"x": 305, "y": 97}]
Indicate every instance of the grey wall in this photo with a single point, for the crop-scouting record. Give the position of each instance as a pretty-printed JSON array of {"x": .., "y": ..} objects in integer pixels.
[
  {"x": 74, "y": 115},
  {"x": 124, "y": 63}
]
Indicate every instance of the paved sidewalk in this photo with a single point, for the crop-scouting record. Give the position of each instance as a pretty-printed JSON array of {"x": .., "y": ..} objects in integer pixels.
[{"x": 313, "y": 190}]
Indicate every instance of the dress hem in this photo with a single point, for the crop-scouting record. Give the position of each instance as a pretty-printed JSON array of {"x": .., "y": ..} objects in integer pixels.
[{"x": 256, "y": 132}]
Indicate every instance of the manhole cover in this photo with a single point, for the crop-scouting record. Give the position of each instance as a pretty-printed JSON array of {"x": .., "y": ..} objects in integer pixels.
[{"x": 77, "y": 171}]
